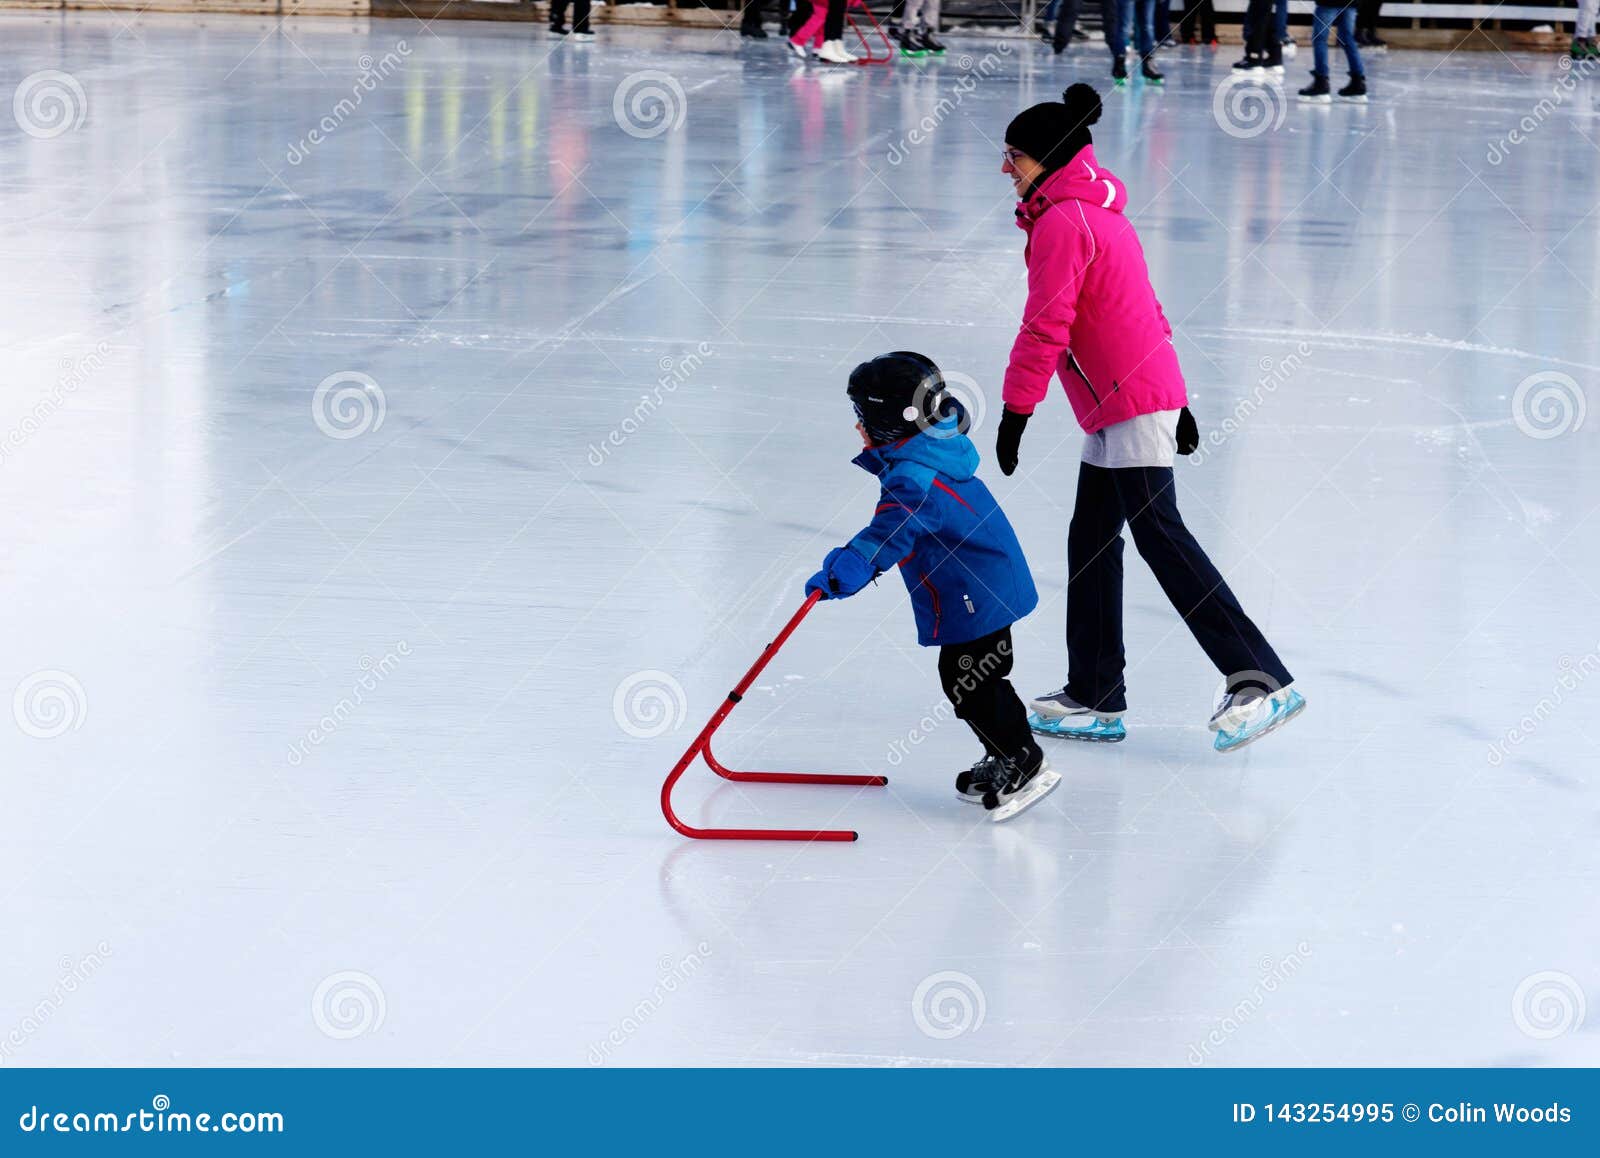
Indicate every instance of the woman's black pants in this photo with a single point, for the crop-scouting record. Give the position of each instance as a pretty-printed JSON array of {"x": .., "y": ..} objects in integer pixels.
[{"x": 1144, "y": 498}]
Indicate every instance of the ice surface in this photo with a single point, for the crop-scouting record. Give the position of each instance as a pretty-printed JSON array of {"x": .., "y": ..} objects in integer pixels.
[{"x": 341, "y": 777}]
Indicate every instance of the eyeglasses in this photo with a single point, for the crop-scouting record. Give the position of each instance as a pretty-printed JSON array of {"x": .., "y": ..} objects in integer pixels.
[{"x": 1012, "y": 156}]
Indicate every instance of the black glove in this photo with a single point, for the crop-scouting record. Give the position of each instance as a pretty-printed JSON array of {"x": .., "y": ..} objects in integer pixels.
[
  {"x": 1009, "y": 439},
  {"x": 1188, "y": 432}
]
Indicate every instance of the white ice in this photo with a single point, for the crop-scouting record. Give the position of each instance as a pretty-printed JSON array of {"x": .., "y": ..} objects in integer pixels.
[{"x": 340, "y": 777}]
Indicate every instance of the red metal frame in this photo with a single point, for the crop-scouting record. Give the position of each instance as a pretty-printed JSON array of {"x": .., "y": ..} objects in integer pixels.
[
  {"x": 866, "y": 46},
  {"x": 702, "y": 747}
]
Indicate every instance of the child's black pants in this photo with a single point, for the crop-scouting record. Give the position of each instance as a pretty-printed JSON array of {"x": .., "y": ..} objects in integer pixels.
[{"x": 974, "y": 678}]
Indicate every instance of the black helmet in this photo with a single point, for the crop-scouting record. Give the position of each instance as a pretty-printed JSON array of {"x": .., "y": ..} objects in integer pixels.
[{"x": 900, "y": 394}]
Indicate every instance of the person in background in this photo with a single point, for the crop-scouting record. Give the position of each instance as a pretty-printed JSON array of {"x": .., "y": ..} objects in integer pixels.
[
  {"x": 1066, "y": 14},
  {"x": 580, "y": 19},
  {"x": 1343, "y": 17},
  {"x": 750, "y": 24},
  {"x": 1116, "y": 16},
  {"x": 824, "y": 28},
  {"x": 1198, "y": 24},
  {"x": 916, "y": 36},
  {"x": 1263, "y": 48},
  {"x": 1367, "y": 25},
  {"x": 1583, "y": 44}
]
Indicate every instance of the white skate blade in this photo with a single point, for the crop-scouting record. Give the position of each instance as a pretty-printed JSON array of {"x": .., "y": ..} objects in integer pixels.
[
  {"x": 1038, "y": 788},
  {"x": 978, "y": 799}
]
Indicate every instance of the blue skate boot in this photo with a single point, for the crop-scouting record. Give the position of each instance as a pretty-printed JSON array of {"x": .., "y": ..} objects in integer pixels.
[
  {"x": 1058, "y": 714},
  {"x": 1249, "y": 714}
]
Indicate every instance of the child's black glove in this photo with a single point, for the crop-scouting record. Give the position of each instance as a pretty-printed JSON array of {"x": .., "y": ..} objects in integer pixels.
[{"x": 1009, "y": 441}]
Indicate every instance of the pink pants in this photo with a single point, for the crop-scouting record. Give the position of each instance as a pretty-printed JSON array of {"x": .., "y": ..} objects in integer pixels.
[{"x": 812, "y": 29}]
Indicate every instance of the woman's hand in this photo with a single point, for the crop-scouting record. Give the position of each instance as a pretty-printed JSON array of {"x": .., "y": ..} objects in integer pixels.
[{"x": 1009, "y": 441}]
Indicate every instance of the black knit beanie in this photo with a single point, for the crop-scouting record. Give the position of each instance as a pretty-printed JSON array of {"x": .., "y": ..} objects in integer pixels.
[{"x": 1053, "y": 132}]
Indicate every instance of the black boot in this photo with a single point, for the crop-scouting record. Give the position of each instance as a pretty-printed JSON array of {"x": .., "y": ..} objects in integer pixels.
[
  {"x": 1119, "y": 71},
  {"x": 753, "y": 31},
  {"x": 1317, "y": 91},
  {"x": 1356, "y": 90},
  {"x": 981, "y": 779},
  {"x": 1148, "y": 71}
]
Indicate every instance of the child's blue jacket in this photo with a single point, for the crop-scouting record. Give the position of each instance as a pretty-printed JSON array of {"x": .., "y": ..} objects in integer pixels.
[{"x": 955, "y": 549}]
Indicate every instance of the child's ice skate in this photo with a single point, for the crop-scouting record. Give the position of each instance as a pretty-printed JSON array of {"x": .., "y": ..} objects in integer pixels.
[
  {"x": 1247, "y": 715},
  {"x": 1027, "y": 781},
  {"x": 973, "y": 784},
  {"x": 1058, "y": 714}
]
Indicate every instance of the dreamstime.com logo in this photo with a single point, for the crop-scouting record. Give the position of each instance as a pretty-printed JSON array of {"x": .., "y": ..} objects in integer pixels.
[
  {"x": 947, "y": 1005},
  {"x": 348, "y": 404},
  {"x": 649, "y": 704},
  {"x": 1548, "y": 404},
  {"x": 1244, "y": 107},
  {"x": 48, "y": 104},
  {"x": 349, "y": 1004},
  {"x": 1549, "y": 1004},
  {"x": 649, "y": 103},
  {"x": 48, "y": 704}
]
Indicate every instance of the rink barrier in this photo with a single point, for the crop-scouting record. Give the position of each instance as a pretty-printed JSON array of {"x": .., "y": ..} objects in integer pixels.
[
  {"x": 1477, "y": 23},
  {"x": 702, "y": 747}
]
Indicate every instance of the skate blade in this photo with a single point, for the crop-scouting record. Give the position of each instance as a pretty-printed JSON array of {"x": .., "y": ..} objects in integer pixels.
[
  {"x": 1038, "y": 788},
  {"x": 969, "y": 799},
  {"x": 1083, "y": 735},
  {"x": 1264, "y": 732}
]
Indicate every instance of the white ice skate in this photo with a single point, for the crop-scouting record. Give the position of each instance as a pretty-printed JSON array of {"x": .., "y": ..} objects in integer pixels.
[
  {"x": 1058, "y": 714},
  {"x": 1020, "y": 793},
  {"x": 1247, "y": 715},
  {"x": 834, "y": 52}
]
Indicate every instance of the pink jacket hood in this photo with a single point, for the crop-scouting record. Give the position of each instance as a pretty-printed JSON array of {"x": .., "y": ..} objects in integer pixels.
[{"x": 1092, "y": 317}]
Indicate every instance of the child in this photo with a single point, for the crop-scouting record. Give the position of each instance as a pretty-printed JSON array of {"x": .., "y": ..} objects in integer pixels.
[{"x": 959, "y": 558}]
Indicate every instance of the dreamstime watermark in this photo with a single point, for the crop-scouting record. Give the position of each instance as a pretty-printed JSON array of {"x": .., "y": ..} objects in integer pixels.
[
  {"x": 1573, "y": 672},
  {"x": 648, "y": 704},
  {"x": 349, "y": 1004},
  {"x": 674, "y": 373},
  {"x": 1548, "y": 404},
  {"x": 673, "y": 975},
  {"x": 373, "y": 673},
  {"x": 1275, "y": 973},
  {"x": 948, "y": 1004},
  {"x": 965, "y": 85},
  {"x": 962, "y": 389},
  {"x": 1245, "y": 107},
  {"x": 48, "y": 704},
  {"x": 74, "y": 373},
  {"x": 72, "y": 977},
  {"x": 973, "y": 671},
  {"x": 1549, "y": 1004},
  {"x": 372, "y": 72},
  {"x": 1274, "y": 373},
  {"x": 49, "y": 103},
  {"x": 1573, "y": 72},
  {"x": 348, "y": 404},
  {"x": 649, "y": 103}
]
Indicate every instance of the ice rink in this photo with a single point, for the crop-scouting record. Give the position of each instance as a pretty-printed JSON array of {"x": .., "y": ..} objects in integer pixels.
[{"x": 383, "y": 458}]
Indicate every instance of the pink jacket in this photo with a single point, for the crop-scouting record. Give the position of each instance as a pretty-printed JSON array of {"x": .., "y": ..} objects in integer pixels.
[{"x": 1092, "y": 316}]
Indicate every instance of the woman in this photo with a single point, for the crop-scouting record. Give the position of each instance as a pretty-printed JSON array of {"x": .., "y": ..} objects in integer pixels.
[{"x": 1093, "y": 319}]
